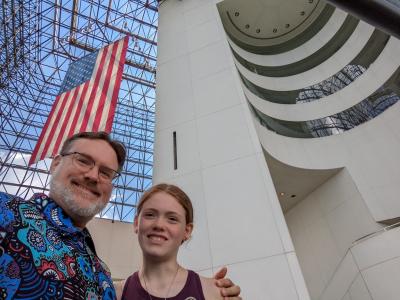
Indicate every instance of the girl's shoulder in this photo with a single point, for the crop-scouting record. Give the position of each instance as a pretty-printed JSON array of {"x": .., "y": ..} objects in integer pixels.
[{"x": 124, "y": 286}]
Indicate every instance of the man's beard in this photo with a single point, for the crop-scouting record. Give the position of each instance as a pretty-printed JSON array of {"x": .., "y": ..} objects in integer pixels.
[{"x": 66, "y": 195}]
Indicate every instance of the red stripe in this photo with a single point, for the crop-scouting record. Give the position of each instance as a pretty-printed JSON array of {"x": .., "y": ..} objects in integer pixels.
[
  {"x": 94, "y": 91},
  {"x": 104, "y": 89},
  {"x": 114, "y": 98},
  {"x": 78, "y": 109},
  {"x": 61, "y": 136},
  {"x": 53, "y": 129},
  {"x": 44, "y": 130}
]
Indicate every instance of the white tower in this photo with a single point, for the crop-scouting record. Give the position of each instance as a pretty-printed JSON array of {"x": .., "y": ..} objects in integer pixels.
[{"x": 282, "y": 114}]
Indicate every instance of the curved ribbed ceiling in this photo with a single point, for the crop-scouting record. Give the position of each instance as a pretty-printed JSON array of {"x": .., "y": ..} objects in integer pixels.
[
  {"x": 270, "y": 19},
  {"x": 268, "y": 23}
]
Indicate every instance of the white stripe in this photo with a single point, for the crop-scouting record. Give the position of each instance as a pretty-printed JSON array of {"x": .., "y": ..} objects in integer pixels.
[
  {"x": 60, "y": 122},
  {"x": 100, "y": 90},
  {"x": 74, "y": 111},
  {"x": 107, "y": 103},
  {"x": 88, "y": 93},
  {"x": 49, "y": 127}
]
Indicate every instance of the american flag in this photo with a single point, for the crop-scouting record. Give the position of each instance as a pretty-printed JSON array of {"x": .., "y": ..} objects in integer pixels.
[{"x": 87, "y": 99}]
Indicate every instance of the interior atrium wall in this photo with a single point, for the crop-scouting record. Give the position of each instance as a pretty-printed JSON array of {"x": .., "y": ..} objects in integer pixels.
[
  {"x": 339, "y": 257},
  {"x": 117, "y": 245},
  {"x": 323, "y": 228},
  {"x": 323, "y": 100},
  {"x": 220, "y": 164}
]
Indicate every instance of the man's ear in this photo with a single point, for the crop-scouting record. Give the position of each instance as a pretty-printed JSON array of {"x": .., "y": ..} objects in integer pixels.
[
  {"x": 56, "y": 161},
  {"x": 136, "y": 224}
]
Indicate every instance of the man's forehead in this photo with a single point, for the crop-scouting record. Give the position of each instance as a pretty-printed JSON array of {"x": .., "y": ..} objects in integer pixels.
[
  {"x": 83, "y": 143},
  {"x": 98, "y": 149}
]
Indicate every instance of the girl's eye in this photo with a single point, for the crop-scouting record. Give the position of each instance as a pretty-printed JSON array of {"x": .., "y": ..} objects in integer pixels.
[
  {"x": 173, "y": 219},
  {"x": 149, "y": 214}
]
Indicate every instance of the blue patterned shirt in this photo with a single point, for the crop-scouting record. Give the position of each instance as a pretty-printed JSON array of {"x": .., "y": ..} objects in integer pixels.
[{"x": 44, "y": 256}]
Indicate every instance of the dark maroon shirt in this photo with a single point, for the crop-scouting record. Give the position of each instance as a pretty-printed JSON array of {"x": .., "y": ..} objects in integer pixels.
[{"x": 192, "y": 290}]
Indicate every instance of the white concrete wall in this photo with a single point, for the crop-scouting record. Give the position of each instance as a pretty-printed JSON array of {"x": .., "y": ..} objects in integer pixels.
[
  {"x": 116, "y": 244},
  {"x": 238, "y": 219},
  {"x": 323, "y": 227},
  {"x": 378, "y": 259},
  {"x": 370, "y": 270},
  {"x": 370, "y": 152}
]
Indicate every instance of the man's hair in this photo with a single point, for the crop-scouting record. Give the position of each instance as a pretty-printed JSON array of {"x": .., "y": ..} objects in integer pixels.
[{"x": 117, "y": 146}]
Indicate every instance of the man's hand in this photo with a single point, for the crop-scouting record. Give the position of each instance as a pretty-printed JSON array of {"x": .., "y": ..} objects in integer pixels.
[{"x": 228, "y": 289}]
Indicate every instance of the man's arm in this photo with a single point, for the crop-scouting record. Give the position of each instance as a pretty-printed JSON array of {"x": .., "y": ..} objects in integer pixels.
[{"x": 228, "y": 289}]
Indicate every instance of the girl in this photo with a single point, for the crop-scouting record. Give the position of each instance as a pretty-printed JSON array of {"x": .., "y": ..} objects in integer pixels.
[{"x": 164, "y": 220}]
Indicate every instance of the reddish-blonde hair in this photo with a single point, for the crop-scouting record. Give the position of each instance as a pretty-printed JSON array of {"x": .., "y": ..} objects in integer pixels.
[{"x": 173, "y": 191}]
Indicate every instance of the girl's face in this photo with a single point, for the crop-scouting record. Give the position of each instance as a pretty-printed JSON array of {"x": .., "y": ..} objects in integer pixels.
[{"x": 161, "y": 226}]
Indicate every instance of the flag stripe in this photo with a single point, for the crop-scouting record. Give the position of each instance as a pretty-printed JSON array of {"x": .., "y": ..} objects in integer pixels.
[
  {"x": 54, "y": 125},
  {"x": 89, "y": 106},
  {"x": 105, "y": 98},
  {"x": 100, "y": 97},
  {"x": 66, "y": 122},
  {"x": 74, "y": 126},
  {"x": 103, "y": 82},
  {"x": 60, "y": 121},
  {"x": 37, "y": 151},
  {"x": 117, "y": 83},
  {"x": 76, "y": 103},
  {"x": 94, "y": 91},
  {"x": 42, "y": 140},
  {"x": 115, "y": 80}
]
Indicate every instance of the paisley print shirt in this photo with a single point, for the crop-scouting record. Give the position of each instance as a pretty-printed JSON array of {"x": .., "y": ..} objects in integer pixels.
[{"x": 44, "y": 256}]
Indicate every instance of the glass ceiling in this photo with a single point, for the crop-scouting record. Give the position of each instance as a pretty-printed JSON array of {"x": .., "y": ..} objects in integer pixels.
[{"x": 38, "y": 41}]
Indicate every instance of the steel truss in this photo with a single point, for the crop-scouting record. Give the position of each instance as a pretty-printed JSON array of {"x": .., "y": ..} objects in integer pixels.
[{"x": 38, "y": 41}]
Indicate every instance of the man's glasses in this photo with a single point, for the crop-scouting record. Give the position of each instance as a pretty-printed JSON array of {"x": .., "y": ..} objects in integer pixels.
[{"x": 86, "y": 163}]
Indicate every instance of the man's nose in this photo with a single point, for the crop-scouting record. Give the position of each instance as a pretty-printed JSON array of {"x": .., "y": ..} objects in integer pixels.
[{"x": 92, "y": 174}]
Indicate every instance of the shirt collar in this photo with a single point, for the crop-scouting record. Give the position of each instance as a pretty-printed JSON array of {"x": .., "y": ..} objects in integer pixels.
[{"x": 54, "y": 213}]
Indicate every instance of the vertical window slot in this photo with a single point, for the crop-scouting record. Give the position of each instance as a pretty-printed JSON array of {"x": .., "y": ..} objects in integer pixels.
[{"x": 175, "y": 151}]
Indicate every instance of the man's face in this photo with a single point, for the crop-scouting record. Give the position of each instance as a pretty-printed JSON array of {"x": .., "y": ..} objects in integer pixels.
[{"x": 80, "y": 193}]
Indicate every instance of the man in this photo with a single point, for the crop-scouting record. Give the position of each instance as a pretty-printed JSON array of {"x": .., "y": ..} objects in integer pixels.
[{"x": 46, "y": 252}]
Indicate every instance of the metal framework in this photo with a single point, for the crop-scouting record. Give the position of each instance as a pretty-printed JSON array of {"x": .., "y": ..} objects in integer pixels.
[{"x": 38, "y": 41}]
